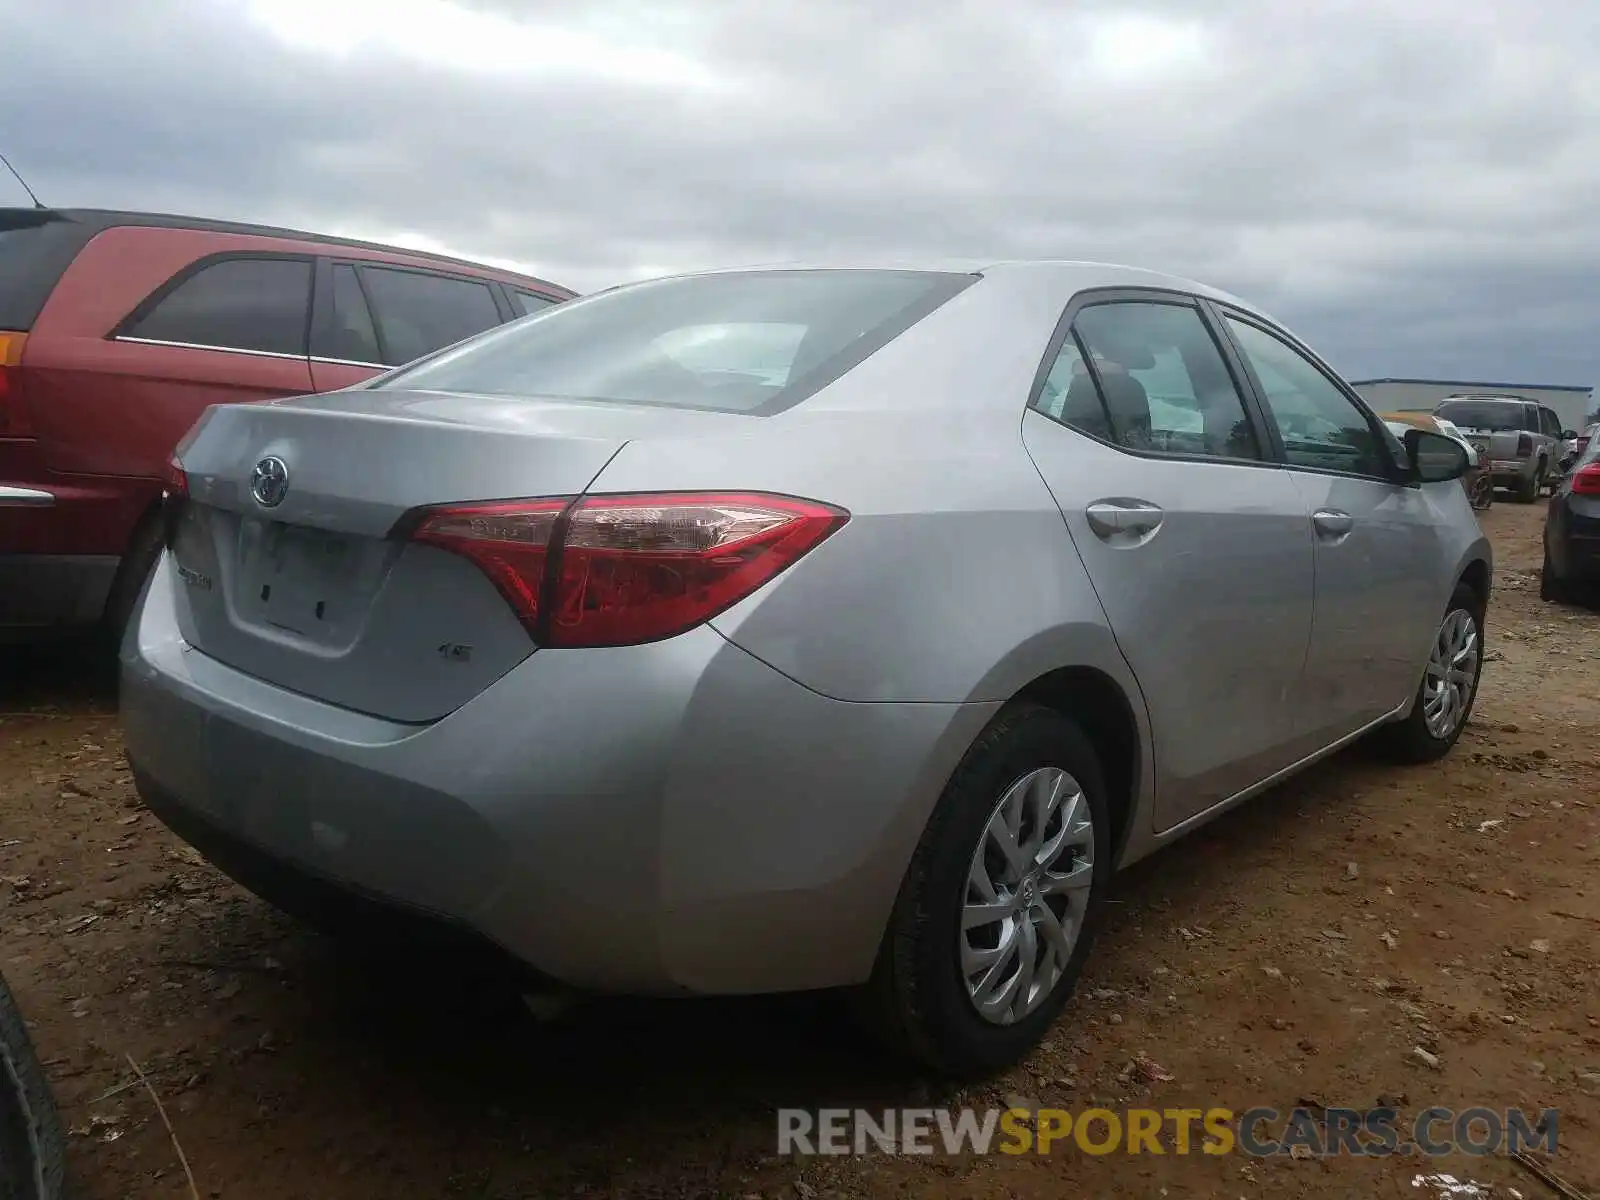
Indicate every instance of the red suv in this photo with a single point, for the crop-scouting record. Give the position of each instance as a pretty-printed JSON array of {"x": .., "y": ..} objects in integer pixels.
[{"x": 117, "y": 330}]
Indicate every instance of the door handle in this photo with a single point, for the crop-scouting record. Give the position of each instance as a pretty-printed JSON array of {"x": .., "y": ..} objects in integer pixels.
[
  {"x": 1107, "y": 518},
  {"x": 1331, "y": 523}
]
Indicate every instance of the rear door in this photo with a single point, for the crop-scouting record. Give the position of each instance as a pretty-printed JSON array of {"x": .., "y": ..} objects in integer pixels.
[
  {"x": 1197, "y": 544},
  {"x": 225, "y": 328},
  {"x": 1382, "y": 574}
]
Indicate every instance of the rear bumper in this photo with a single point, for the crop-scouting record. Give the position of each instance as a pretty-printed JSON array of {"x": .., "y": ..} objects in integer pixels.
[
  {"x": 1511, "y": 470},
  {"x": 669, "y": 818},
  {"x": 45, "y": 593}
]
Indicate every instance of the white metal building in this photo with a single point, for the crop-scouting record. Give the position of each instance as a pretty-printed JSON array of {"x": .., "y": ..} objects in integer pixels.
[{"x": 1572, "y": 404}]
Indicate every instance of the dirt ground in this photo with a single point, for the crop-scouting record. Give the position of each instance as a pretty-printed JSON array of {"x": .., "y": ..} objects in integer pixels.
[{"x": 1300, "y": 948}]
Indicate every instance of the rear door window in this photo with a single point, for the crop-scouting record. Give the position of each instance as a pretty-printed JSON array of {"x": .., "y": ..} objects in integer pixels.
[
  {"x": 418, "y": 312},
  {"x": 253, "y": 304},
  {"x": 1149, "y": 377},
  {"x": 347, "y": 333}
]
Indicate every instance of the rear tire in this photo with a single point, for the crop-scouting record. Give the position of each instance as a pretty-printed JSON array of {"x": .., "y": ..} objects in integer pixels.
[
  {"x": 1527, "y": 490},
  {"x": 1417, "y": 738},
  {"x": 32, "y": 1146},
  {"x": 919, "y": 1002},
  {"x": 144, "y": 548}
]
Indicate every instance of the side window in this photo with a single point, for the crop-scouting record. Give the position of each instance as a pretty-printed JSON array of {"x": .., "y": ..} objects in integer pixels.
[
  {"x": 235, "y": 304},
  {"x": 1552, "y": 423},
  {"x": 530, "y": 302},
  {"x": 1321, "y": 428},
  {"x": 1163, "y": 386},
  {"x": 419, "y": 312},
  {"x": 349, "y": 334},
  {"x": 1069, "y": 394}
]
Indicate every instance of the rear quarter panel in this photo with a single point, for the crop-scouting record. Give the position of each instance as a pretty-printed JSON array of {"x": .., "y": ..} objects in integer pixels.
[{"x": 954, "y": 581}]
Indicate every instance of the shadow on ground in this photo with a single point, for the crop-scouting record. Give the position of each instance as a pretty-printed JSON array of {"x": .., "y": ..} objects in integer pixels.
[{"x": 69, "y": 676}]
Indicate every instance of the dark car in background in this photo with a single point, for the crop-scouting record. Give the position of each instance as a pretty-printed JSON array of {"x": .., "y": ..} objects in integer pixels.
[
  {"x": 1518, "y": 440},
  {"x": 117, "y": 330},
  {"x": 1572, "y": 532}
]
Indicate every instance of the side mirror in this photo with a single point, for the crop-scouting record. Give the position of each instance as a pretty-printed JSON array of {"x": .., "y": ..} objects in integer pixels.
[
  {"x": 1568, "y": 434},
  {"x": 1434, "y": 457}
]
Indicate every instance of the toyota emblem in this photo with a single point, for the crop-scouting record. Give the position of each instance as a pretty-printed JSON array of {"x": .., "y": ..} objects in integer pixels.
[{"x": 269, "y": 482}]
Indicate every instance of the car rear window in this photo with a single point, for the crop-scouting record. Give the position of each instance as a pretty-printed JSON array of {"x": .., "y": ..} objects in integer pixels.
[
  {"x": 1489, "y": 414},
  {"x": 36, "y": 247},
  {"x": 746, "y": 341}
]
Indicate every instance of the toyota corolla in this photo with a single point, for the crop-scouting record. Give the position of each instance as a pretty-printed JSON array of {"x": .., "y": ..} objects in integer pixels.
[{"x": 785, "y": 629}]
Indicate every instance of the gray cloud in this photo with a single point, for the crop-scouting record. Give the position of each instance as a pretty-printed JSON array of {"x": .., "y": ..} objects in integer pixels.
[{"x": 1411, "y": 186}]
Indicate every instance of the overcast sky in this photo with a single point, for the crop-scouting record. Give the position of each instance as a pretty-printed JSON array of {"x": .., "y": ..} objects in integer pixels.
[{"x": 1413, "y": 185}]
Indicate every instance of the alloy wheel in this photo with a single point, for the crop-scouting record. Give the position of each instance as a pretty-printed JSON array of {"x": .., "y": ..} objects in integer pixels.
[
  {"x": 1452, "y": 674},
  {"x": 1026, "y": 895}
]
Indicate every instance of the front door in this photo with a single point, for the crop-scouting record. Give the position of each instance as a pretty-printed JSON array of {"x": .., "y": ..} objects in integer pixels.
[
  {"x": 1380, "y": 561},
  {"x": 1198, "y": 547}
]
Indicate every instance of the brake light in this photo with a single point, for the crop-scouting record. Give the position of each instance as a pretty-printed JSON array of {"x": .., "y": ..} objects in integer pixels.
[
  {"x": 1586, "y": 480},
  {"x": 174, "y": 495},
  {"x": 174, "y": 480},
  {"x": 14, "y": 419},
  {"x": 1524, "y": 445},
  {"x": 622, "y": 570}
]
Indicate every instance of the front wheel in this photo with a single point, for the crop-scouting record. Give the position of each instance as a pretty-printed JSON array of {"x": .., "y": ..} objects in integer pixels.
[
  {"x": 1448, "y": 689},
  {"x": 997, "y": 911}
]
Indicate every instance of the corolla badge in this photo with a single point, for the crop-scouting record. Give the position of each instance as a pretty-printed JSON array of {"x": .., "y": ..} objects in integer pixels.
[{"x": 269, "y": 482}]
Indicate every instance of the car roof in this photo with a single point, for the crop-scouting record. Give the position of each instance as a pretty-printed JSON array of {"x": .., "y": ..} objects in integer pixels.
[
  {"x": 95, "y": 220},
  {"x": 1073, "y": 275}
]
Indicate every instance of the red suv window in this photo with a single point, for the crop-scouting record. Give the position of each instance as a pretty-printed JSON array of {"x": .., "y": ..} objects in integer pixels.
[
  {"x": 419, "y": 312},
  {"x": 259, "y": 304}
]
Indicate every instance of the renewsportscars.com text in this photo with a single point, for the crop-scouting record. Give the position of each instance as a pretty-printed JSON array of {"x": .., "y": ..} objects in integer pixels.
[{"x": 1259, "y": 1132}]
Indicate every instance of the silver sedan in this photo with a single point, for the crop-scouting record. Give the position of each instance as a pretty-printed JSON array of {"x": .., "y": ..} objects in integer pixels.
[{"x": 783, "y": 629}]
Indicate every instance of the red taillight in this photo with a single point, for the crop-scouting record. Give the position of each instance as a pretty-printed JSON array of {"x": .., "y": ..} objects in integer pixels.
[
  {"x": 510, "y": 542},
  {"x": 621, "y": 570},
  {"x": 1524, "y": 445},
  {"x": 14, "y": 418},
  {"x": 174, "y": 495},
  {"x": 1586, "y": 481},
  {"x": 174, "y": 482}
]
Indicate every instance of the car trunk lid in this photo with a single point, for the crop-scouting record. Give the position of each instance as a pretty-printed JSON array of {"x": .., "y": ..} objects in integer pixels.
[{"x": 288, "y": 560}]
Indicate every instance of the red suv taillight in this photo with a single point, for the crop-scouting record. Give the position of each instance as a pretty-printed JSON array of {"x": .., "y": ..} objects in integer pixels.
[
  {"x": 1524, "y": 445},
  {"x": 14, "y": 418},
  {"x": 174, "y": 481},
  {"x": 1586, "y": 481},
  {"x": 621, "y": 570},
  {"x": 174, "y": 494}
]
